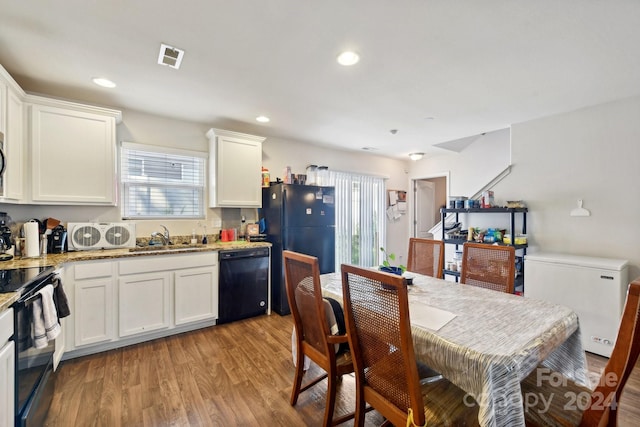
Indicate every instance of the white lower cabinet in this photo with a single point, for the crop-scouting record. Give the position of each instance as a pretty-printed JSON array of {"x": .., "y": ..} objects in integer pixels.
[
  {"x": 196, "y": 294},
  {"x": 143, "y": 303},
  {"x": 94, "y": 302},
  {"x": 7, "y": 370},
  {"x": 125, "y": 301}
]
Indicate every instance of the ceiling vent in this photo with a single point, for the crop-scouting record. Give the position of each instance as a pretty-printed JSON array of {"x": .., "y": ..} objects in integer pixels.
[{"x": 170, "y": 56}]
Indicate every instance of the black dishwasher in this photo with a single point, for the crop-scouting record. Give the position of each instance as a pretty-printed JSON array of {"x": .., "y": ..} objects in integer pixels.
[{"x": 243, "y": 284}]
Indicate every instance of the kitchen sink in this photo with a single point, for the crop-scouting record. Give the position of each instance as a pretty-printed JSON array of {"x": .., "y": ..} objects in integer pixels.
[{"x": 165, "y": 248}]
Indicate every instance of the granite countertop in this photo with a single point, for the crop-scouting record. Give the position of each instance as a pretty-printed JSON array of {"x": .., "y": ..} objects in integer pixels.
[{"x": 56, "y": 260}]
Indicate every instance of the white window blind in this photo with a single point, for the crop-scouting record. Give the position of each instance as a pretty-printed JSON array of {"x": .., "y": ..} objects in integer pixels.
[
  {"x": 360, "y": 218},
  {"x": 161, "y": 182}
]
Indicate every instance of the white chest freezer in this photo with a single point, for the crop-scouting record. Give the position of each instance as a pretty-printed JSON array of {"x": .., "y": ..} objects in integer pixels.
[{"x": 595, "y": 288}]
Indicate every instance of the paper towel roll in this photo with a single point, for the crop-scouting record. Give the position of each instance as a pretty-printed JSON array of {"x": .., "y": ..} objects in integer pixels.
[{"x": 31, "y": 239}]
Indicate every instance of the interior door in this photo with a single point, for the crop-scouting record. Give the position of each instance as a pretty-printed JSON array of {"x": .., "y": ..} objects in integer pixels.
[{"x": 425, "y": 206}]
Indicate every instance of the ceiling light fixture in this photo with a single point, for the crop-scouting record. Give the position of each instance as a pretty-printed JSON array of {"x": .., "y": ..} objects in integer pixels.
[
  {"x": 348, "y": 58},
  {"x": 416, "y": 156},
  {"x": 263, "y": 119},
  {"x": 101, "y": 81}
]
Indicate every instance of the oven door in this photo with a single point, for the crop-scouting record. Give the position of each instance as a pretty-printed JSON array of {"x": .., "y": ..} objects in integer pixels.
[{"x": 34, "y": 367}]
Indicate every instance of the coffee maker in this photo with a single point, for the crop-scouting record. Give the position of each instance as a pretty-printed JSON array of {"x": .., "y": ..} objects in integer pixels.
[{"x": 5, "y": 241}]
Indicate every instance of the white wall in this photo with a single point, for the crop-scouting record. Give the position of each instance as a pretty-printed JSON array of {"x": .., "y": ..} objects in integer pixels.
[
  {"x": 279, "y": 153},
  {"x": 135, "y": 127},
  {"x": 470, "y": 169},
  {"x": 590, "y": 154}
]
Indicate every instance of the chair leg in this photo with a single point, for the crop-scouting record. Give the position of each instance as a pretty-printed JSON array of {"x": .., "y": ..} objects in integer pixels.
[
  {"x": 297, "y": 379},
  {"x": 331, "y": 400},
  {"x": 360, "y": 409}
]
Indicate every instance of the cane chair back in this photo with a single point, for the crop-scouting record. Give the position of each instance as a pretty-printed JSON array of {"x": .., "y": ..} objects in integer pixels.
[
  {"x": 379, "y": 331},
  {"x": 313, "y": 335},
  {"x": 426, "y": 256},
  {"x": 488, "y": 266}
]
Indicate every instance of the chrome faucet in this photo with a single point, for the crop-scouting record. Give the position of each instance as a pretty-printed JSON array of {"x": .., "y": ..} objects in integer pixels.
[{"x": 166, "y": 238}]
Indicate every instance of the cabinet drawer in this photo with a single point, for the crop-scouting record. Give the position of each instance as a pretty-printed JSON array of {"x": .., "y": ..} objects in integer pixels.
[
  {"x": 154, "y": 263},
  {"x": 6, "y": 325},
  {"x": 93, "y": 270}
]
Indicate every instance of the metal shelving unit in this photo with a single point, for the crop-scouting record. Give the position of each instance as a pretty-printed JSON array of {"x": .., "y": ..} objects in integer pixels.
[{"x": 519, "y": 281}]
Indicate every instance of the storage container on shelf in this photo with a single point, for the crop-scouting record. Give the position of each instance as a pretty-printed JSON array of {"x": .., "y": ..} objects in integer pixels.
[
  {"x": 521, "y": 239},
  {"x": 322, "y": 177},
  {"x": 312, "y": 174}
]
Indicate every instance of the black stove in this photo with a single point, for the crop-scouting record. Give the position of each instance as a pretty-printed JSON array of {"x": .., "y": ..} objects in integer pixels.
[{"x": 17, "y": 278}]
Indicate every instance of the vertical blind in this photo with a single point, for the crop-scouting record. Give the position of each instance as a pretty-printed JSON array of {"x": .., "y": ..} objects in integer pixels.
[
  {"x": 360, "y": 218},
  {"x": 159, "y": 182}
]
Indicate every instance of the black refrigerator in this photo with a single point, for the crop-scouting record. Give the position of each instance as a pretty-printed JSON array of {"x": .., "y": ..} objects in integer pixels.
[{"x": 298, "y": 218}]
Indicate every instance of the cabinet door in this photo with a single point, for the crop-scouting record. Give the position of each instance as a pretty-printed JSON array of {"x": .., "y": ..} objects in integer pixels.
[
  {"x": 14, "y": 148},
  {"x": 3, "y": 102},
  {"x": 94, "y": 306},
  {"x": 7, "y": 384},
  {"x": 196, "y": 294},
  {"x": 73, "y": 156},
  {"x": 235, "y": 165},
  {"x": 144, "y": 302}
]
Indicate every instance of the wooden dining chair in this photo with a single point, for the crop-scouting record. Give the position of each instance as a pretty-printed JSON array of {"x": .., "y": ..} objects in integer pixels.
[
  {"x": 426, "y": 256},
  {"x": 575, "y": 405},
  {"x": 379, "y": 331},
  {"x": 489, "y": 266},
  {"x": 313, "y": 335}
]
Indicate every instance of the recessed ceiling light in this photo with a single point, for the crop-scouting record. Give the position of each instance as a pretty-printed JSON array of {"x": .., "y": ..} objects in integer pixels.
[
  {"x": 101, "y": 81},
  {"x": 416, "y": 156},
  {"x": 369, "y": 148},
  {"x": 263, "y": 119},
  {"x": 348, "y": 58}
]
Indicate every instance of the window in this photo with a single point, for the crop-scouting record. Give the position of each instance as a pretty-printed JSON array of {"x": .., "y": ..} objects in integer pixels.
[
  {"x": 360, "y": 218},
  {"x": 161, "y": 182}
]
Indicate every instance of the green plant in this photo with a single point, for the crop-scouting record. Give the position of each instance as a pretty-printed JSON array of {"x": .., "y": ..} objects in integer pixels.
[{"x": 388, "y": 257}]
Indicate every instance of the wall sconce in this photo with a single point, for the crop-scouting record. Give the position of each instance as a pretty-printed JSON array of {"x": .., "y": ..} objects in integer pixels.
[{"x": 416, "y": 156}]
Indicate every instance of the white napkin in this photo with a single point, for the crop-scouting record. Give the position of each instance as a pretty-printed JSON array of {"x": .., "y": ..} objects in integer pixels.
[{"x": 425, "y": 316}]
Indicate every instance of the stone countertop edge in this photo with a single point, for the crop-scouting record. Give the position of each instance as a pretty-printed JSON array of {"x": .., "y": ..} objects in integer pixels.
[{"x": 56, "y": 260}]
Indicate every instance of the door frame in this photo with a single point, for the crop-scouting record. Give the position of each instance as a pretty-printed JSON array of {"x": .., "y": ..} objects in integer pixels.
[{"x": 412, "y": 196}]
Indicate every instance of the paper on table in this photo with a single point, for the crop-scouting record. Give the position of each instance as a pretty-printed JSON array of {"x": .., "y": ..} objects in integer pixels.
[{"x": 425, "y": 316}]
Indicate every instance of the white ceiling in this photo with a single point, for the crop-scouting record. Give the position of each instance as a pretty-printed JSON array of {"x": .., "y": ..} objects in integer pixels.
[{"x": 473, "y": 66}]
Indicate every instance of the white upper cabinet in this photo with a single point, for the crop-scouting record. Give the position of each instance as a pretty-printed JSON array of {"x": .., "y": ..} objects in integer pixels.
[
  {"x": 73, "y": 153},
  {"x": 12, "y": 124},
  {"x": 235, "y": 164}
]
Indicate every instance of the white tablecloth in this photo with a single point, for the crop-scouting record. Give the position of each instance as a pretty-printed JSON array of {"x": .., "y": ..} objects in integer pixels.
[{"x": 494, "y": 341}]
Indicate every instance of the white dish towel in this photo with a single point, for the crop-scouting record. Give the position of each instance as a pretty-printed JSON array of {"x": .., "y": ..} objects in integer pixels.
[{"x": 45, "y": 318}]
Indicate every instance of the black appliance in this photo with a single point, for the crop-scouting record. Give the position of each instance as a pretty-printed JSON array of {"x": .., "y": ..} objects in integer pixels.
[
  {"x": 5, "y": 241},
  {"x": 298, "y": 218},
  {"x": 34, "y": 382},
  {"x": 57, "y": 241},
  {"x": 243, "y": 284}
]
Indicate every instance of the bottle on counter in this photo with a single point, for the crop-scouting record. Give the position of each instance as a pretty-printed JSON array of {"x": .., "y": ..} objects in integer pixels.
[{"x": 243, "y": 228}]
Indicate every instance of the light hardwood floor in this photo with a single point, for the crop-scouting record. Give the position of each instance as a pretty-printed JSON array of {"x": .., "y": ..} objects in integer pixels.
[{"x": 239, "y": 374}]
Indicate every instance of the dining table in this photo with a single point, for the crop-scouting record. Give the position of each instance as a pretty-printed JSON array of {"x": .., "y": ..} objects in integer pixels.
[{"x": 486, "y": 342}]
